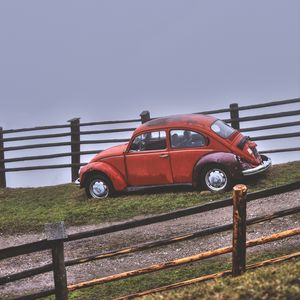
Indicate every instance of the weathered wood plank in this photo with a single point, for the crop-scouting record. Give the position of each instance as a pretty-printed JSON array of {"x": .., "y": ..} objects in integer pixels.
[
  {"x": 75, "y": 147},
  {"x": 266, "y": 116},
  {"x": 234, "y": 116},
  {"x": 25, "y": 249},
  {"x": 275, "y": 136},
  {"x": 49, "y": 156},
  {"x": 239, "y": 230},
  {"x": 110, "y": 122},
  {"x": 209, "y": 277},
  {"x": 36, "y": 137},
  {"x": 56, "y": 233},
  {"x": 45, "y": 167},
  {"x": 145, "y": 116},
  {"x": 87, "y": 142},
  {"x": 2, "y": 164},
  {"x": 152, "y": 268},
  {"x": 185, "y": 260},
  {"x": 280, "y": 150},
  {"x": 65, "y": 134},
  {"x": 107, "y": 131},
  {"x": 268, "y": 104},
  {"x": 7, "y": 131},
  {"x": 273, "y": 126}
]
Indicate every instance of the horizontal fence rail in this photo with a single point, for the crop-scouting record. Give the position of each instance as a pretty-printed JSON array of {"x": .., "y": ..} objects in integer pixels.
[
  {"x": 23, "y": 249},
  {"x": 268, "y": 104},
  {"x": 36, "y": 128},
  {"x": 46, "y": 167},
  {"x": 74, "y": 133},
  {"x": 210, "y": 277},
  {"x": 33, "y": 137},
  {"x": 281, "y": 150},
  {"x": 56, "y": 237},
  {"x": 48, "y": 156},
  {"x": 276, "y": 136},
  {"x": 274, "y": 126},
  {"x": 185, "y": 260},
  {"x": 265, "y": 116},
  {"x": 145, "y": 246}
]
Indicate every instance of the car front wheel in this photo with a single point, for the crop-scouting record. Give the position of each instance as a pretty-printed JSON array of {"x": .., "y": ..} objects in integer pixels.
[
  {"x": 216, "y": 179},
  {"x": 98, "y": 187}
]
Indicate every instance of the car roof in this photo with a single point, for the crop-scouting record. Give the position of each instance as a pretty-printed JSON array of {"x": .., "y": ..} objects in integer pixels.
[{"x": 192, "y": 121}]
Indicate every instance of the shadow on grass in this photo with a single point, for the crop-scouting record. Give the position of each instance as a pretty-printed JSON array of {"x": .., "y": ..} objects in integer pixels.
[{"x": 160, "y": 189}]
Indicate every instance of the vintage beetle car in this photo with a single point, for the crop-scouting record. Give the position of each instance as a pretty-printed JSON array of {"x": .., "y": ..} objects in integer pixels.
[{"x": 196, "y": 149}]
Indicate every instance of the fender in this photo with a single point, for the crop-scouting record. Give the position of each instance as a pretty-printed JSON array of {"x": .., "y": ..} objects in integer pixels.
[
  {"x": 226, "y": 159},
  {"x": 112, "y": 173}
]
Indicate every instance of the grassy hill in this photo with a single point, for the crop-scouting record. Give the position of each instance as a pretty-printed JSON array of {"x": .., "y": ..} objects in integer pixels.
[{"x": 28, "y": 209}]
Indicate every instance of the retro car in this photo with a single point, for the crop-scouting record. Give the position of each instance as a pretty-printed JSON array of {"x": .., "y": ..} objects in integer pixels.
[{"x": 183, "y": 149}]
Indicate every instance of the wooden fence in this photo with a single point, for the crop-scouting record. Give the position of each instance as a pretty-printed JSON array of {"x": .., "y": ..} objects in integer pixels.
[
  {"x": 75, "y": 130},
  {"x": 56, "y": 238}
]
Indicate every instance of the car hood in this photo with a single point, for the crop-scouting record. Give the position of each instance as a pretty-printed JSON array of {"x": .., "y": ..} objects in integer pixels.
[{"x": 113, "y": 151}]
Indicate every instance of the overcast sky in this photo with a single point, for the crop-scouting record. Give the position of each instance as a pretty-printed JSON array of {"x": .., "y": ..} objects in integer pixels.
[{"x": 102, "y": 60}]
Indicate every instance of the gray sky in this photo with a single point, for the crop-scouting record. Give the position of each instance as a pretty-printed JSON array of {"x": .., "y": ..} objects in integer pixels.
[{"x": 102, "y": 60}]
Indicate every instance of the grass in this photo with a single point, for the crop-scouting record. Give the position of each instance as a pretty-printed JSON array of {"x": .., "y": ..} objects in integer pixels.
[
  {"x": 28, "y": 209},
  {"x": 280, "y": 280}
]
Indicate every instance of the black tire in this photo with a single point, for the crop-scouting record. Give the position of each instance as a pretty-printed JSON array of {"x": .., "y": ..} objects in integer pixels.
[
  {"x": 99, "y": 187},
  {"x": 216, "y": 178}
]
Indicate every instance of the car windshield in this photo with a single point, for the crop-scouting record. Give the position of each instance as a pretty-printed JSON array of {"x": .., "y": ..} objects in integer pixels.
[{"x": 222, "y": 129}]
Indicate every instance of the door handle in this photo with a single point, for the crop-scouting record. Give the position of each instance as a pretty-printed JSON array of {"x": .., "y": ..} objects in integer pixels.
[{"x": 164, "y": 156}]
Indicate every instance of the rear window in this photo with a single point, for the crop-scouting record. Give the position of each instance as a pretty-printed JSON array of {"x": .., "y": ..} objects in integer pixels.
[{"x": 222, "y": 129}]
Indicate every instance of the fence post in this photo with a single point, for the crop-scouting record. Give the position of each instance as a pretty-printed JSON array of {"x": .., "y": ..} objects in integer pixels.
[
  {"x": 2, "y": 164},
  {"x": 55, "y": 233},
  {"x": 234, "y": 114},
  {"x": 145, "y": 116},
  {"x": 75, "y": 147},
  {"x": 239, "y": 230}
]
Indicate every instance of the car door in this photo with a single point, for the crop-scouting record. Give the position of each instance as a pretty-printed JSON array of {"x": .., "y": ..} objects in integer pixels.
[
  {"x": 186, "y": 148},
  {"x": 148, "y": 161}
]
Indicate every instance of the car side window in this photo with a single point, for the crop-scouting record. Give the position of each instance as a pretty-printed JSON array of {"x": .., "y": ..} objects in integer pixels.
[
  {"x": 155, "y": 140},
  {"x": 187, "y": 139}
]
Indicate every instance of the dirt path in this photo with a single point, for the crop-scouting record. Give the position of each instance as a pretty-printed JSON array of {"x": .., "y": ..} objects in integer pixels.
[{"x": 131, "y": 237}]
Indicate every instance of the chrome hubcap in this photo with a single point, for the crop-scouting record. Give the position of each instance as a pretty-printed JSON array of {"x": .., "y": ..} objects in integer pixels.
[
  {"x": 99, "y": 189},
  {"x": 216, "y": 180}
]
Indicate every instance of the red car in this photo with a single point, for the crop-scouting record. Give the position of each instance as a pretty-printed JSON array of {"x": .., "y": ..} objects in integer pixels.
[{"x": 195, "y": 149}]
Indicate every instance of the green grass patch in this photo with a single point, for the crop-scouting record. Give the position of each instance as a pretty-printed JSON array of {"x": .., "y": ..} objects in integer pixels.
[
  {"x": 28, "y": 209},
  {"x": 144, "y": 282},
  {"x": 279, "y": 281}
]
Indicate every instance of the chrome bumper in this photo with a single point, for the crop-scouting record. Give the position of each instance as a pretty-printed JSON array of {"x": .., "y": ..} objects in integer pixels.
[
  {"x": 77, "y": 181},
  {"x": 266, "y": 164}
]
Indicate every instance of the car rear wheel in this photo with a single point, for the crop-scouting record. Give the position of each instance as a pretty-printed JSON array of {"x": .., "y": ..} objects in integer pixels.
[
  {"x": 216, "y": 179},
  {"x": 98, "y": 187}
]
